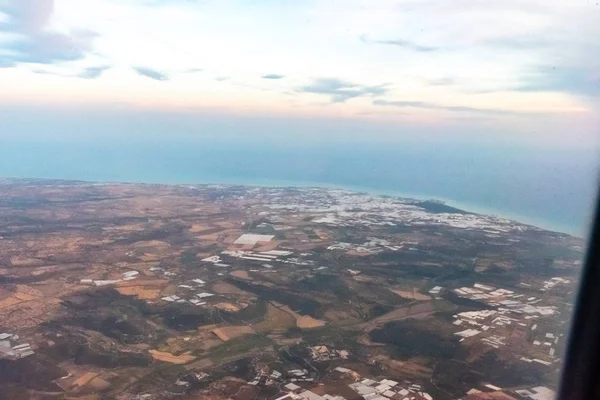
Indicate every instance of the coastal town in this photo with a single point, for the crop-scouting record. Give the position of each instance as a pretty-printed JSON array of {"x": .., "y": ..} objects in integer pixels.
[{"x": 133, "y": 291}]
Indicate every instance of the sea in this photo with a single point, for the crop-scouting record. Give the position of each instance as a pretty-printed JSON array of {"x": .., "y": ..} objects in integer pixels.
[{"x": 552, "y": 188}]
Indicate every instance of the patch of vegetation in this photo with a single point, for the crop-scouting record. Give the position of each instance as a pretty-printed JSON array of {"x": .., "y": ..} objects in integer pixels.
[
  {"x": 239, "y": 346},
  {"x": 438, "y": 207},
  {"x": 409, "y": 340},
  {"x": 188, "y": 257},
  {"x": 298, "y": 303}
]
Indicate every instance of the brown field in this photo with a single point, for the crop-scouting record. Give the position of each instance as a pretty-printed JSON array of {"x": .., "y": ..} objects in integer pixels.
[
  {"x": 152, "y": 243},
  {"x": 85, "y": 378},
  {"x": 51, "y": 242},
  {"x": 229, "y": 307},
  {"x": 170, "y": 358},
  {"x": 125, "y": 228},
  {"x": 240, "y": 274},
  {"x": 275, "y": 318},
  {"x": 5, "y": 293},
  {"x": 306, "y": 321},
  {"x": 195, "y": 228},
  {"x": 99, "y": 383},
  {"x": 232, "y": 332},
  {"x": 141, "y": 292},
  {"x": 137, "y": 266},
  {"x": 411, "y": 295},
  {"x": 203, "y": 363},
  {"x": 302, "y": 321},
  {"x": 418, "y": 310},
  {"x": 227, "y": 288},
  {"x": 411, "y": 368},
  {"x": 212, "y": 237},
  {"x": 19, "y": 261},
  {"x": 21, "y": 294},
  {"x": 149, "y": 257},
  {"x": 205, "y": 328},
  {"x": 169, "y": 290},
  {"x": 143, "y": 281},
  {"x": 340, "y": 317},
  {"x": 171, "y": 345},
  {"x": 266, "y": 246}
]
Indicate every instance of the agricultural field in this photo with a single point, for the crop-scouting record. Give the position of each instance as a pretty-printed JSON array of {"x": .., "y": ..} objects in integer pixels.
[{"x": 215, "y": 291}]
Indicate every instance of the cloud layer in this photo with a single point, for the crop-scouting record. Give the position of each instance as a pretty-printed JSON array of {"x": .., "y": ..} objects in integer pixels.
[
  {"x": 412, "y": 59},
  {"x": 401, "y": 43},
  {"x": 340, "y": 91},
  {"x": 33, "y": 41},
  {"x": 151, "y": 73},
  {"x": 273, "y": 76}
]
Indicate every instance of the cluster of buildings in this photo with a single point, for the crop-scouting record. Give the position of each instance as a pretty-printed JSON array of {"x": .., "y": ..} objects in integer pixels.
[
  {"x": 435, "y": 292},
  {"x": 510, "y": 310},
  {"x": 266, "y": 378},
  {"x": 192, "y": 285},
  {"x": 263, "y": 256},
  {"x": 267, "y": 258},
  {"x": 507, "y": 300},
  {"x": 346, "y": 208},
  {"x": 491, "y": 392},
  {"x": 126, "y": 276},
  {"x": 323, "y": 353},
  {"x": 253, "y": 238},
  {"x": 537, "y": 393},
  {"x": 197, "y": 300},
  {"x": 216, "y": 261},
  {"x": 371, "y": 246},
  {"x": 369, "y": 389},
  {"x": 297, "y": 393},
  {"x": 11, "y": 349},
  {"x": 384, "y": 389},
  {"x": 552, "y": 282}
]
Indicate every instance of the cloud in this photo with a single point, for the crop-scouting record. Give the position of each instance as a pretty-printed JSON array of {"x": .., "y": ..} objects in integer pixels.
[
  {"x": 93, "y": 72},
  {"x": 401, "y": 43},
  {"x": 433, "y": 106},
  {"x": 576, "y": 81},
  {"x": 221, "y": 78},
  {"x": 32, "y": 42},
  {"x": 151, "y": 73},
  {"x": 273, "y": 76},
  {"x": 193, "y": 70},
  {"x": 340, "y": 91},
  {"x": 86, "y": 73}
]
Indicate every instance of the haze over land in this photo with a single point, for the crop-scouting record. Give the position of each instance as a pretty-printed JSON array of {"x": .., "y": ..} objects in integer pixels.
[
  {"x": 492, "y": 106},
  {"x": 549, "y": 188}
]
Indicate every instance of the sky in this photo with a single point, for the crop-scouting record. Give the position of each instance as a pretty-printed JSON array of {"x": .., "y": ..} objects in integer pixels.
[{"x": 513, "y": 71}]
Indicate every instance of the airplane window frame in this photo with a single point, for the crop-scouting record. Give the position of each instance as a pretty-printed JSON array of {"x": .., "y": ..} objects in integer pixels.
[{"x": 580, "y": 378}]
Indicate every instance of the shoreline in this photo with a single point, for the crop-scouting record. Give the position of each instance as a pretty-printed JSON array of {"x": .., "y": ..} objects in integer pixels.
[{"x": 546, "y": 225}]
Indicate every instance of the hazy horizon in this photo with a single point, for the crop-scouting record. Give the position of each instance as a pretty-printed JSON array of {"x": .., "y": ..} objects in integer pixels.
[
  {"x": 527, "y": 70},
  {"x": 553, "y": 189},
  {"x": 495, "y": 105}
]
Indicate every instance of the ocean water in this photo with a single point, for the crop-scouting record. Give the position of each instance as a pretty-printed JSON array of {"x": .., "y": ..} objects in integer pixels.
[{"x": 551, "y": 188}]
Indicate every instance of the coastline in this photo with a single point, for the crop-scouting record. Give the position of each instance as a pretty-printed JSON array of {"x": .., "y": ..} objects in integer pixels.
[{"x": 546, "y": 225}]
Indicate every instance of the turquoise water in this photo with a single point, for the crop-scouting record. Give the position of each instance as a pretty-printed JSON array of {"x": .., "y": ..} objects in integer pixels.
[{"x": 553, "y": 189}]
